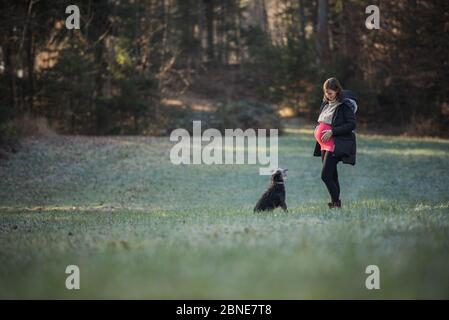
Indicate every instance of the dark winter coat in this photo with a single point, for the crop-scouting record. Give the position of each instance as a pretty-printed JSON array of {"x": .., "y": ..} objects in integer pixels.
[{"x": 343, "y": 124}]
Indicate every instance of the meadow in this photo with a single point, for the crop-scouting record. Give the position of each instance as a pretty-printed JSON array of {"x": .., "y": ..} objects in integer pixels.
[{"x": 139, "y": 227}]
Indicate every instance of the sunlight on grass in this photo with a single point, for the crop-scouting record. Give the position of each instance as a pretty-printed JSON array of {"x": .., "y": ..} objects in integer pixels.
[
  {"x": 425, "y": 207},
  {"x": 406, "y": 152},
  {"x": 140, "y": 227}
]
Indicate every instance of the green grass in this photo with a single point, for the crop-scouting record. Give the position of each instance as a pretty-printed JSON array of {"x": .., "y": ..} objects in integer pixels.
[{"x": 140, "y": 227}]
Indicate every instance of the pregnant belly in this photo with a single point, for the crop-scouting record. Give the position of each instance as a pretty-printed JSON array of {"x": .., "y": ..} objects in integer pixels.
[{"x": 329, "y": 144}]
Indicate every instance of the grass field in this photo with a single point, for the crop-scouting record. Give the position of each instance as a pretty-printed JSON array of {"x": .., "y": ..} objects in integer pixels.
[{"x": 139, "y": 227}]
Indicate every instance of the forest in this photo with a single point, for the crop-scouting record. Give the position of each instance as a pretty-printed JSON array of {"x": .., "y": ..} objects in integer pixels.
[{"x": 149, "y": 66}]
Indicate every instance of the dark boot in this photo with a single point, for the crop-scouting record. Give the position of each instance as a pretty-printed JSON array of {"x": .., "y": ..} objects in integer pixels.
[
  {"x": 337, "y": 204},
  {"x": 333, "y": 205}
]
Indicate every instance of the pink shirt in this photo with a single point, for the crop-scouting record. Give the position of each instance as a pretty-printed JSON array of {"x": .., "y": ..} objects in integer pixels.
[{"x": 329, "y": 145}]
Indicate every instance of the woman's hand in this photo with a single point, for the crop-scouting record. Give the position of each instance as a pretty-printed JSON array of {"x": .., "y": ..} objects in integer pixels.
[{"x": 326, "y": 135}]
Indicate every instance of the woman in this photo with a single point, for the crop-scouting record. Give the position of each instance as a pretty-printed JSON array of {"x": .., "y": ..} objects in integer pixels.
[{"x": 335, "y": 137}]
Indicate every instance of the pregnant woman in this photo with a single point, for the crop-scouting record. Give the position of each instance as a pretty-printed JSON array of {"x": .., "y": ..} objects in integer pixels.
[{"x": 335, "y": 139}]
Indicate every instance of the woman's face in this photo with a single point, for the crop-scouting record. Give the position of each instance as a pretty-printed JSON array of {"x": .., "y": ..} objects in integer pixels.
[{"x": 330, "y": 94}]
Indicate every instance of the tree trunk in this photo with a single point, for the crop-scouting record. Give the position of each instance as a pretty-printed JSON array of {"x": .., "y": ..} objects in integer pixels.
[
  {"x": 30, "y": 50},
  {"x": 322, "y": 44},
  {"x": 10, "y": 72},
  {"x": 238, "y": 26},
  {"x": 265, "y": 19},
  {"x": 302, "y": 22},
  {"x": 97, "y": 34},
  {"x": 210, "y": 29}
]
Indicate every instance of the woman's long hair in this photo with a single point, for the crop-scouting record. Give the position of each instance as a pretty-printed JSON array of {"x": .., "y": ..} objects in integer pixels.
[{"x": 332, "y": 84}]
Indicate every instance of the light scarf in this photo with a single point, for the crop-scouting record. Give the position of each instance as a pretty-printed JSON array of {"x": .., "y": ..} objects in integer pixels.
[{"x": 328, "y": 111}]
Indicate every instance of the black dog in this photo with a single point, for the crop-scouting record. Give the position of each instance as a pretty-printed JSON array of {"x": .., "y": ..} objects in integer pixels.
[{"x": 275, "y": 195}]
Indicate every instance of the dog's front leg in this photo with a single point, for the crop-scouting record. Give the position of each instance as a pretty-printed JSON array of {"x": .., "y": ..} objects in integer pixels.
[
  {"x": 284, "y": 206},
  {"x": 282, "y": 203}
]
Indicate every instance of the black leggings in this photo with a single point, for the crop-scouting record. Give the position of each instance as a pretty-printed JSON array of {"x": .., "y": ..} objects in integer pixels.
[{"x": 329, "y": 174}]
